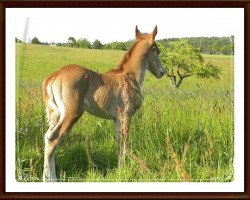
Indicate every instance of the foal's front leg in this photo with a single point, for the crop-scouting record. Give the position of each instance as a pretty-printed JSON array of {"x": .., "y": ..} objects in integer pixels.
[{"x": 122, "y": 129}]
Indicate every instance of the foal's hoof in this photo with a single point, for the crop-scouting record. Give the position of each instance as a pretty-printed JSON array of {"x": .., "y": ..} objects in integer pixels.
[{"x": 49, "y": 178}]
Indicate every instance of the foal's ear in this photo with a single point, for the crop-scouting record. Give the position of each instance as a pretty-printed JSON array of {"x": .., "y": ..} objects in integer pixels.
[
  {"x": 138, "y": 34},
  {"x": 153, "y": 34}
]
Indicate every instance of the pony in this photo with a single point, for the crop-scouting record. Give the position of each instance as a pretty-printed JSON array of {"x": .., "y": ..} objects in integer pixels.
[{"x": 73, "y": 89}]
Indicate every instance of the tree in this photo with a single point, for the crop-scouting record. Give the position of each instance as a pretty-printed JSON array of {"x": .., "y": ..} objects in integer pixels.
[
  {"x": 227, "y": 50},
  {"x": 116, "y": 46},
  {"x": 18, "y": 41},
  {"x": 182, "y": 60},
  {"x": 97, "y": 44},
  {"x": 71, "y": 41},
  {"x": 35, "y": 41},
  {"x": 83, "y": 43}
]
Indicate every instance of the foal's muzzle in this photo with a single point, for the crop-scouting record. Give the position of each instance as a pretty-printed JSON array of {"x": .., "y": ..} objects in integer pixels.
[{"x": 162, "y": 72}]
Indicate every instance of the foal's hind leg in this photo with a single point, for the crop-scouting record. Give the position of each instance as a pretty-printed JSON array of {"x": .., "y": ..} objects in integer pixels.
[
  {"x": 52, "y": 144},
  {"x": 69, "y": 114}
]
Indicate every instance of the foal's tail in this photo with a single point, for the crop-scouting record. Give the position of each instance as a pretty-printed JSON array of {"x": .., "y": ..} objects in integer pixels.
[{"x": 54, "y": 107}]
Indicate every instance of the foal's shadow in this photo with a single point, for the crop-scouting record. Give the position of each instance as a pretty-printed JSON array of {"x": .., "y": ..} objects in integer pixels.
[{"x": 72, "y": 155}]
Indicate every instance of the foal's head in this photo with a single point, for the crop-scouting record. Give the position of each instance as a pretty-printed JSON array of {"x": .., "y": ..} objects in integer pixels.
[{"x": 153, "y": 62}]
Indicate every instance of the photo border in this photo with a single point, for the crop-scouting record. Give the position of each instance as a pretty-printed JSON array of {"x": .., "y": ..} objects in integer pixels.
[{"x": 116, "y": 4}]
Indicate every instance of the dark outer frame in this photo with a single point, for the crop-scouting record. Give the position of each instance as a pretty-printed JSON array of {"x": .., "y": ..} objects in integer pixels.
[{"x": 131, "y": 4}]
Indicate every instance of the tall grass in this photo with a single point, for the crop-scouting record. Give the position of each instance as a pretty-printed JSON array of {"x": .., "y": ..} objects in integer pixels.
[{"x": 184, "y": 135}]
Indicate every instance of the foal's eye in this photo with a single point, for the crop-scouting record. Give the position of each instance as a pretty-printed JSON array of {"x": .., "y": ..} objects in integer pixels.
[{"x": 154, "y": 47}]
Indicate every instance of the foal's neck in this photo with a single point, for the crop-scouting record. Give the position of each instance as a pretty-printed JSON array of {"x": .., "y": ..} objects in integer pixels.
[{"x": 136, "y": 66}]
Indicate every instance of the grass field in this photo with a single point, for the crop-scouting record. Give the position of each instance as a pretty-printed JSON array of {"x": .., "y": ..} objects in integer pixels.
[{"x": 198, "y": 118}]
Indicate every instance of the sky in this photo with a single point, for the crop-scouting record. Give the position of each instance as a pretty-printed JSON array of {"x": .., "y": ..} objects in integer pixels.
[{"x": 118, "y": 24}]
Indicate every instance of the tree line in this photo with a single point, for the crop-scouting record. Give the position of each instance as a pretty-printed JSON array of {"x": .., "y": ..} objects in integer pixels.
[
  {"x": 85, "y": 43},
  {"x": 206, "y": 45}
]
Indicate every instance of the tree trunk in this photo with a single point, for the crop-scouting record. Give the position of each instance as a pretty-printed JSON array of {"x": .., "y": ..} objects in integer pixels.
[
  {"x": 173, "y": 81},
  {"x": 179, "y": 82}
]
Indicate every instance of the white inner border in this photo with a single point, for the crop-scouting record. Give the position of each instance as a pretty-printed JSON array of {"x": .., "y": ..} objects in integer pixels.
[{"x": 235, "y": 186}]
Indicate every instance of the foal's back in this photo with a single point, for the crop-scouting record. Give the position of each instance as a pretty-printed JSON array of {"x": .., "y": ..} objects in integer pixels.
[{"x": 73, "y": 89}]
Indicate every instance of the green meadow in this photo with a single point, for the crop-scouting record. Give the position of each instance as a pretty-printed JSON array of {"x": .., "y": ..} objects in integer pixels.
[{"x": 183, "y": 135}]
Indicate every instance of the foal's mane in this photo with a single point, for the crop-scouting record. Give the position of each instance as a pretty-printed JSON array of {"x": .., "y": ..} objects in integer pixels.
[
  {"x": 127, "y": 55},
  {"x": 125, "y": 58}
]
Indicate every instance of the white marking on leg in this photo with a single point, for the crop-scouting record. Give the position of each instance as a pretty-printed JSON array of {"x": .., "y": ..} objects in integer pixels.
[{"x": 49, "y": 173}]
